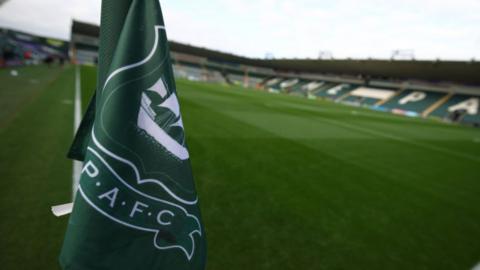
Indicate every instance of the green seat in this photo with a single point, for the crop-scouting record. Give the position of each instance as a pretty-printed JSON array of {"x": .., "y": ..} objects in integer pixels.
[{"x": 398, "y": 102}]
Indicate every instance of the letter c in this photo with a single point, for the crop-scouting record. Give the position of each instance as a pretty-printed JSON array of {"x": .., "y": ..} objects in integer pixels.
[{"x": 162, "y": 213}]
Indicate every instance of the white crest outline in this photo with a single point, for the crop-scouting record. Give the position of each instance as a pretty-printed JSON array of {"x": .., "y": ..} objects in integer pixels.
[
  {"x": 189, "y": 255},
  {"x": 137, "y": 174},
  {"x": 149, "y": 56}
]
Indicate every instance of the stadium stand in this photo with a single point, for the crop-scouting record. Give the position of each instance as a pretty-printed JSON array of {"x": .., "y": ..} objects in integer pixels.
[
  {"x": 197, "y": 73},
  {"x": 232, "y": 73},
  {"x": 414, "y": 88},
  {"x": 236, "y": 79},
  {"x": 284, "y": 85},
  {"x": 214, "y": 76},
  {"x": 368, "y": 95},
  {"x": 300, "y": 88},
  {"x": 254, "y": 81},
  {"x": 358, "y": 100},
  {"x": 188, "y": 72},
  {"x": 413, "y": 100},
  {"x": 273, "y": 84},
  {"x": 245, "y": 79},
  {"x": 311, "y": 86},
  {"x": 288, "y": 84},
  {"x": 84, "y": 43},
  {"x": 20, "y": 48},
  {"x": 460, "y": 108},
  {"x": 339, "y": 91}
]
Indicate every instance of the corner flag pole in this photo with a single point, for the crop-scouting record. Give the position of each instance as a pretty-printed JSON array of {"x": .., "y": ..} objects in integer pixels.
[
  {"x": 62, "y": 210},
  {"x": 65, "y": 209}
]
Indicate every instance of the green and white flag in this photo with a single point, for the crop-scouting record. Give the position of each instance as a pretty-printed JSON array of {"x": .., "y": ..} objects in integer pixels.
[{"x": 136, "y": 205}]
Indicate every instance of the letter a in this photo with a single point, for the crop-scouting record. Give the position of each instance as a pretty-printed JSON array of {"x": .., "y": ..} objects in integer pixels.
[
  {"x": 111, "y": 196},
  {"x": 469, "y": 105}
]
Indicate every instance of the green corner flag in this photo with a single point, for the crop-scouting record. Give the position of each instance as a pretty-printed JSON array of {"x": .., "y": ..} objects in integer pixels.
[{"x": 136, "y": 205}]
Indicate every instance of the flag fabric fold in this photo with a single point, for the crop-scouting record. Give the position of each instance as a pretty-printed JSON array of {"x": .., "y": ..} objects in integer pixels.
[{"x": 136, "y": 206}]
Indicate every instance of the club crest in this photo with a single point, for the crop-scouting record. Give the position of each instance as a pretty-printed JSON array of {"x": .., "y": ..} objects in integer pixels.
[
  {"x": 136, "y": 170},
  {"x": 159, "y": 116}
]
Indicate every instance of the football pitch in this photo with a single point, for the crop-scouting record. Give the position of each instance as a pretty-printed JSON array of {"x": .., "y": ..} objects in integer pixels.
[{"x": 284, "y": 182}]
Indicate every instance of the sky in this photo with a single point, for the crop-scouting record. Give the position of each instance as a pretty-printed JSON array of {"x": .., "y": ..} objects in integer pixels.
[{"x": 432, "y": 29}]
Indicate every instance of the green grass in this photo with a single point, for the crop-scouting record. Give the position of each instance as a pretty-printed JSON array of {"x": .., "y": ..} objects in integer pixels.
[
  {"x": 284, "y": 182},
  {"x": 35, "y": 131},
  {"x": 288, "y": 183},
  {"x": 88, "y": 83}
]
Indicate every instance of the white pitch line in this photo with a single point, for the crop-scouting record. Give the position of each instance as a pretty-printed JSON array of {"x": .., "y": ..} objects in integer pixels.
[
  {"x": 477, "y": 267},
  {"x": 77, "y": 117},
  {"x": 65, "y": 209}
]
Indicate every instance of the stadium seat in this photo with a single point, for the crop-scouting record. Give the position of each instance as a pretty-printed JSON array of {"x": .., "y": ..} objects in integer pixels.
[
  {"x": 413, "y": 100},
  {"x": 300, "y": 88},
  {"x": 367, "y": 95},
  {"x": 357, "y": 100},
  {"x": 274, "y": 83},
  {"x": 334, "y": 91},
  {"x": 288, "y": 84},
  {"x": 467, "y": 107}
]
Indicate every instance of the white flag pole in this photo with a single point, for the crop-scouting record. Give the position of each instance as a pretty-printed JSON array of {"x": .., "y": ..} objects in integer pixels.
[
  {"x": 65, "y": 209},
  {"x": 62, "y": 209}
]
